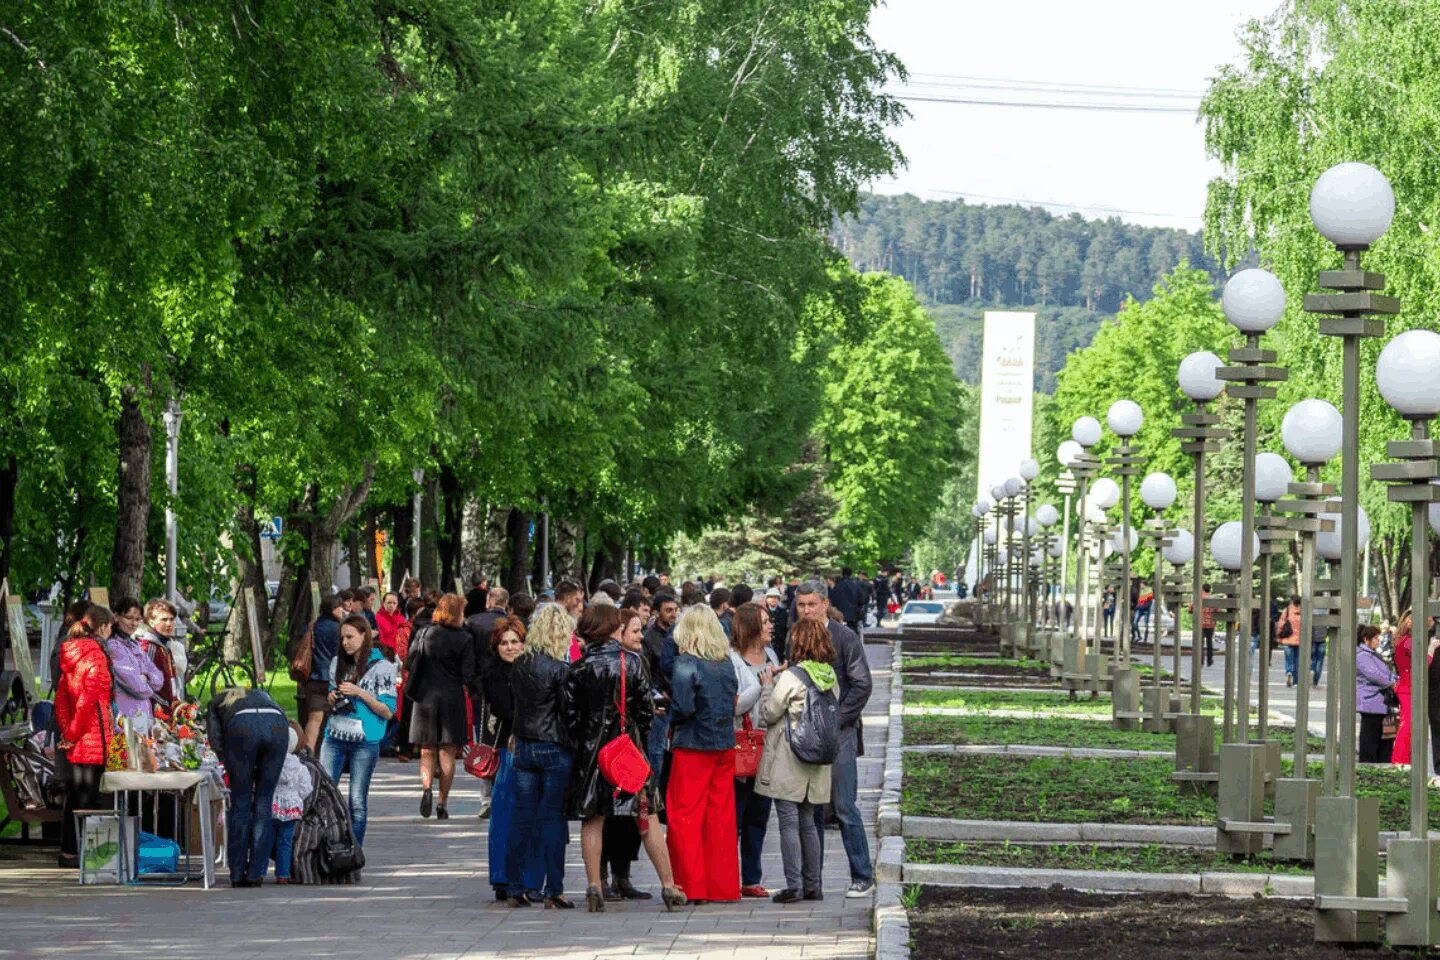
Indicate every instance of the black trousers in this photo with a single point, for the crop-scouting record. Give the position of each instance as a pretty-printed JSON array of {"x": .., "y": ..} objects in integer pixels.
[
  {"x": 1209, "y": 634},
  {"x": 82, "y": 792},
  {"x": 1370, "y": 741},
  {"x": 621, "y": 845}
]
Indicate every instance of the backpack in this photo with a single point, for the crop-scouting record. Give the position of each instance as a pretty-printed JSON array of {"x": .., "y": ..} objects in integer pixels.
[{"x": 815, "y": 737}]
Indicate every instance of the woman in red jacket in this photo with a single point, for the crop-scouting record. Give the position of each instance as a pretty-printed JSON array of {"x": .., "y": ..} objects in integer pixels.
[
  {"x": 1400, "y": 756},
  {"x": 82, "y": 708}
]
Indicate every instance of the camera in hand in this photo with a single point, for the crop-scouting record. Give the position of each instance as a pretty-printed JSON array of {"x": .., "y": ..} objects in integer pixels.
[{"x": 343, "y": 704}]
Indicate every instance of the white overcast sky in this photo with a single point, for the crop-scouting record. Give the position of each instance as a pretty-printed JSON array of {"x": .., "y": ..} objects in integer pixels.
[{"x": 1144, "y": 167}]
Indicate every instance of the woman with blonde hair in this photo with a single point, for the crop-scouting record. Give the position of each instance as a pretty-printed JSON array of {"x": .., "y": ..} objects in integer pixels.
[
  {"x": 540, "y": 763},
  {"x": 700, "y": 798}
]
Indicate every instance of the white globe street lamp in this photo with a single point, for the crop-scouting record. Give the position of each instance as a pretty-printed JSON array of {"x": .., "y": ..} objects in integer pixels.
[
  {"x": 1352, "y": 205},
  {"x": 1047, "y": 515},
  {"x": 1254, "y": 301},
  {"x": 1029, "y": 470},
  {"x": 1067, "y": 452},
  {"x": 1182, "y": 546},
  {"x": 1104, "y": 493},
  {"x": 1225, "y": 545},
  {"x": 1158, "y": 491},
  {"x": 1329, "y": 542},
  {"x": 1197, "y": 376},
  {"x": 1408, "y": 373},
  {"x": 1272, "y": 477},
  {"x": 1085, "y": 431},
  {"x": 1125, "y": 418},
  {"x": 1311, "y": 431}
]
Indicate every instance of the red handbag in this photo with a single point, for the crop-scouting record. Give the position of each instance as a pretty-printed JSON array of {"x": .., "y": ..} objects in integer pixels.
[
  {"x": 483, "y": 759},
  {"x": 621, "y": 762},
  {"x": 749, "y": 747}
]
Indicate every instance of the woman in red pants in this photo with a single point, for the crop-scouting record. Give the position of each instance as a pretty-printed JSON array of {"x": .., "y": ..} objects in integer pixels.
[{"x": 701, "y": 794}]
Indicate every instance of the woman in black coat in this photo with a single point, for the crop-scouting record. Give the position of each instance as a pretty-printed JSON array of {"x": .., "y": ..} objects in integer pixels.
[
  {"x": 440, "y": 665},
  {"x": 592, "y": 691}
]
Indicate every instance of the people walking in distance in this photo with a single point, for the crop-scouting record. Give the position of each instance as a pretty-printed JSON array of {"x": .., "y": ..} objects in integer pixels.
[
  {"x": 1287, "y": 634},
  {"x": 441, "y": 668}
]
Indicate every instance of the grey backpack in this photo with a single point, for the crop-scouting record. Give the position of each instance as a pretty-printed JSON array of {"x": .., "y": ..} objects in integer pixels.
[{"x": 815, "y": 736}]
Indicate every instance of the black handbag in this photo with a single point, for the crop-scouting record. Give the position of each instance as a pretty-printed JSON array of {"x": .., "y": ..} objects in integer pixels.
[
  {"x": 341, "y": 856},
  {"x": 1391, "y": 698}
]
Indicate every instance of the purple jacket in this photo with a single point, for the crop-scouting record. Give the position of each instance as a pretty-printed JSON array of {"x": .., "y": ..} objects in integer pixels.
[
  {"x": 136, "y": 678},
  {"x": 1372, "y": 676}
]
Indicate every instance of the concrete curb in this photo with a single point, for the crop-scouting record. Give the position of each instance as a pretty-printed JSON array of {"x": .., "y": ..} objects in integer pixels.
[
  {"x": 917, "y": 711},
  {"x": 891, "y": 921},
  {"x": 1102, "y": 881},
  {"x": 951, "y": 688},
  {"x": 1039, "y": 750},
  {"x": 1024, "y": 831}
]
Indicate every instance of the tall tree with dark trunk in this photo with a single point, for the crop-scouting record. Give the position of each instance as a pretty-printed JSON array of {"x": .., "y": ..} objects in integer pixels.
[
  {"x": 517, "y": 533},
  {"x": 9, "y": 477},
  {"x": 132, "y": 508}
]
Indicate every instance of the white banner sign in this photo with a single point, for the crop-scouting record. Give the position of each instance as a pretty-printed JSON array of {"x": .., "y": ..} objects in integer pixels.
[{"x": 1007, "y": 397}]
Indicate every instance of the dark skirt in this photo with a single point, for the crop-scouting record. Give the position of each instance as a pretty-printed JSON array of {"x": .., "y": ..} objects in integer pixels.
[{"x": 437, "y": 720}]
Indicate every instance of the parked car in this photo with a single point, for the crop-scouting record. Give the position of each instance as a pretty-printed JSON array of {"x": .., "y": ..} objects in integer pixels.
[{"x": 921, "y": 612}]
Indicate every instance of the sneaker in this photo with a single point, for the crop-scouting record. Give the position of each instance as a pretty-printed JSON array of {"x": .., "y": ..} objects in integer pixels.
[
  {"x": 860, "y": 888},
  {"x": 787, "y": 896},
  {"x": 754, "y": 890}
]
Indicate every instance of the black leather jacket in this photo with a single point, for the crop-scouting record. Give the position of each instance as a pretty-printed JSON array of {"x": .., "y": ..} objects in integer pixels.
[
  {"x": 539, "y": 694},
  {"x": 593, "y": 690}
]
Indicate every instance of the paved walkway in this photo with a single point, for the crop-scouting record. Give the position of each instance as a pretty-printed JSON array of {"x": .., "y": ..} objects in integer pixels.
[{"x": 426, "y": 895}]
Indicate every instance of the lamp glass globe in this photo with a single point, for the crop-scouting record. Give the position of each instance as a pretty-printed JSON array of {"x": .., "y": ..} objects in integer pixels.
[
  {"x": 1057, "y": 549},
  {"x": 1125, "y": 418},
  {"x": 1181, "y": 548},
  {"x": 1031, "y": 527},
  {"x": 1408, "y": 373},
  {"x": 1067, "y": 452},
  {"x": 1352, "y": 205},
  {"x": 1328, "y": 544},
  {"x": 989, "y": 536},
  {"x": 1225, "y": 545},
  {"x": 997, "y": 492},
  {"x": 1125, "y": 545},
  {"x": 1254, "y": 300},
  {"x": 1004, "y": 556},
  {"x": 1105, "y": 493},
  {"x": 1085, "y": 431},
  {"x": 1157, "y": 491},
  {"x": 982, "y": 506},
  {"x": 1014, "y": 487},
  {"x": 1272, "y": 477},
  {"x": 1047, "y": 515},
  {"x": 1029, "y": 469},
  {"x": 1311, "y": 430},
  {"x": 1197, "y": 376}
]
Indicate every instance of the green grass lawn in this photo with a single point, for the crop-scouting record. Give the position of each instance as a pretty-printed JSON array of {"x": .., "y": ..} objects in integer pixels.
[
  {"x": 1022, "y": 700},
  {"x": 949, "y": 660},
  {"x": 1151, "y": 858},
  {"x": 1065, "y": 790},
  {"x": 1052, "y": 731},
  {"x": 277, "y": 682}
]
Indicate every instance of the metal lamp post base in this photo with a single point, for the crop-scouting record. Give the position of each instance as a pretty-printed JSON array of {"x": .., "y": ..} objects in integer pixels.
[
  {"x": 1195, "y": 762},
  {"x": 1241, "y": 826},
  {"x": 1125, "y": 698},
  {"x": 1347, "y": 868},
  {"x": 1159, "y": 704},
  {"x": 1295, "y": 807},
  {"x": 1413, "y": 875}
]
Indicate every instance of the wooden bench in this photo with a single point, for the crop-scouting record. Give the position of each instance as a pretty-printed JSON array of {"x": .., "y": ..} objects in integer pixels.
[{"x": 20, "y": 771}]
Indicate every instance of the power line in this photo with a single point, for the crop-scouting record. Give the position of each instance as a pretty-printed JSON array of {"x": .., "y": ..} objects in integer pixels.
[
  {"x": 967, "y": 80},
  {"x": 1045, "y": 105}
]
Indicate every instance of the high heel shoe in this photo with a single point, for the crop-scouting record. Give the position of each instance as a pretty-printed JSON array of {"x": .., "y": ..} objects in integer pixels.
[
  {"x": 558, "y": 902},
  {"x": 520, "y": 901},
  {"x": 673, "y": 897},
  {"x": 594, "y": 900}
]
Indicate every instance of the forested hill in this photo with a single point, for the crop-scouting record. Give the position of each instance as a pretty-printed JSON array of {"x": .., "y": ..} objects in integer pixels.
[{"x": 963, "y": 259}]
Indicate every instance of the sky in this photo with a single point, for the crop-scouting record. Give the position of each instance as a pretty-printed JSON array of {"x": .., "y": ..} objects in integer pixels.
[{"x": 1145, "y": 167}]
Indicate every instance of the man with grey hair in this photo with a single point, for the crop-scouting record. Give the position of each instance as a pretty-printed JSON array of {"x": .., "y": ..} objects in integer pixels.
[{"x": 853, "y": 673}]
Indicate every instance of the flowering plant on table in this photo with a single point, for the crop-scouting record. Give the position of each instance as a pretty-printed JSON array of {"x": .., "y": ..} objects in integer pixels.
[{"x": 180, "y": 742}]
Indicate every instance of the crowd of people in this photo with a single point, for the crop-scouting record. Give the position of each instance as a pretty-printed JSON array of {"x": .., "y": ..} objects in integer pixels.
[{"x": 673, "y": 719}]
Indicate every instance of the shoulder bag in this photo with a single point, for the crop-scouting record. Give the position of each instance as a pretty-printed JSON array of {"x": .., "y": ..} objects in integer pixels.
[
  {"x": 483, "y": 759},
  {"x": 340, "y": 855},
  {"x": 749, "y": 746},
  {"x": 302, "y": 656},
  {"x": 621, "y": 762}
]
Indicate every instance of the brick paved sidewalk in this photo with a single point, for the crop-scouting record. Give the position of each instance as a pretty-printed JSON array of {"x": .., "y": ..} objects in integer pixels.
[{"x": 426, "y": 895}]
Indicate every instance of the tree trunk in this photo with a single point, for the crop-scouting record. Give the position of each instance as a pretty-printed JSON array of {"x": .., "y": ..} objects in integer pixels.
[
  {"x": 354, "y": 557},
  {"x": 70, "y": 589},
  {"x": 248, "y": 562},
  {"x": 132, "y": 509},
  {"x": 452, "y": 520},
  {"x": 294, "y": 576},
  {"x": 9, "y": 479},
  {"x": 517, "y": 532},
  {"x": 492, "y": 551},
  {"x": 402, "y": 529},
  {"x": 563, "y": 537},
  {"x": 429, "y": 573},
  {"x": 372, "y": 556},
  {"x": 472, "y": 537}
]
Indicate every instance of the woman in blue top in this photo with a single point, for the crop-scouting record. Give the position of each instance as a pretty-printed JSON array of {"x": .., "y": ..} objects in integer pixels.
[{"x": 362, "y": 700}]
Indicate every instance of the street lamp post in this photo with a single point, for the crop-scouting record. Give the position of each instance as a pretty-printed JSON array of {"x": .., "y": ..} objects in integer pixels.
[
  {"x": 173, "y": 416},
  {"x": 1046, "y": 517},
  {"x": 1084, "y": 433},
  {"x": 419, "y": 474},
  {"x": 1029, "y": 470},
  {"x": 978, "y": 511},
  {"x": 1352, "y": 205},
  {"x": 1240, "y": 806},
  {"x": 1408, "y": 377},
  {"x": 1065, "y": 484},
  {"x": 1178, "y": 552},
  {"x": 1157, "y": 491},
  {"x": 1272, "y": 481},
  {"x": 1104, "y": 494},
  {"x": 1311, "y": 434}
]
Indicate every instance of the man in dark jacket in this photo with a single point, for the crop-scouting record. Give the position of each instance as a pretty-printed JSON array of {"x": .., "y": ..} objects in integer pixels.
[
  {"x": 852, "y": 671},
  {"x": 659, "y": 638},
  {"x": 849, "y": 598},
  {"x": 779, "y": 623},
  {"x": 312, "y": 695},
  {"x": 882, "y": 596}
]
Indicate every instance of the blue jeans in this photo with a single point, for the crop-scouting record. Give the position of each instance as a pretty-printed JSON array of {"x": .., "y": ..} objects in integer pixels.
[
  {"x": 255, "y": 748},
  {"x": 752, "y": 818},
  {"x": 844, "y": 787},
  {"x": 1317, "y": 660},
  {"x": 335, "y": 756},
  {"x": 538, "y": 833},
  {"x": 502, "y": 819},
  {"x": 1292, "y": 658},
  {"x": 283, "y": 851}
]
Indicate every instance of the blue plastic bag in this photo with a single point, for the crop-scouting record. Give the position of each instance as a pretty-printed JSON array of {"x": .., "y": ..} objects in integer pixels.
[{"x": 157, "y": 855}]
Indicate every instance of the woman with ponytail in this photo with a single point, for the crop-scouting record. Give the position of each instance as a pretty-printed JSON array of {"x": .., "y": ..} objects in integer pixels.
[{"x": 82, "y": 709}]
